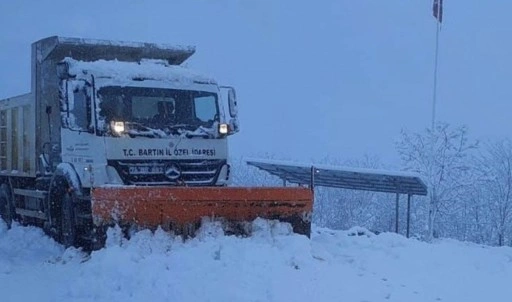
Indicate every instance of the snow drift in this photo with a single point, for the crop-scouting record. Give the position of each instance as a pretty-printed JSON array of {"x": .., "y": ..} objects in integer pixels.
[{"x": 272, "y": 265}]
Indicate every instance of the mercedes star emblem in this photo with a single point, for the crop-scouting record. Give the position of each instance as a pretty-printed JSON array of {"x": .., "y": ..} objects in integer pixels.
[{"x": 172, "y": 172}]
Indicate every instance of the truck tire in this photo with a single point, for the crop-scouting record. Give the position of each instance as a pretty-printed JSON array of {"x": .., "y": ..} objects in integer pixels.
[
  {"x": 62, "y": 200},
  {"x": 67, "y": 220},
  {"x": 62, "y": 212},
  {"x": 7, "y": 212}
]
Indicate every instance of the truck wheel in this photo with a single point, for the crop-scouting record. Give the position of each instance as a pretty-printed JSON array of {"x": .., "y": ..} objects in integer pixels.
[
  {"x": 6, "y": 205},
  {"x": 67, "y": 221}
]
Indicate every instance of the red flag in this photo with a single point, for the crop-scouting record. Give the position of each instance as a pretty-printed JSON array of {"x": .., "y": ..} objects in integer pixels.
[{"x": 438, "y": 10}]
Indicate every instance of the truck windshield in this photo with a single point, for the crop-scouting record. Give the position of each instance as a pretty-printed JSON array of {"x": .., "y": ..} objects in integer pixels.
[{"x": 168, "y": 110}]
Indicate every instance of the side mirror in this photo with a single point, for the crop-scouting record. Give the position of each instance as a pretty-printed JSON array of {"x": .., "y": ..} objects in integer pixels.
[
  {"x": 63, "y": 70},
  {"x": 234, "y": 126},
  {"x": 70, "y": 97},
  {"x": 233, "y": 105}
]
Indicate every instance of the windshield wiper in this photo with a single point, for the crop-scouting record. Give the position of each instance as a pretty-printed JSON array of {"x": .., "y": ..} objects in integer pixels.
[
  {"x": 138, "y": 126},
  {"x": 183, "y": 126},
  {"x": 141, "y": 130},
  {"x": 193, "y": 134}
]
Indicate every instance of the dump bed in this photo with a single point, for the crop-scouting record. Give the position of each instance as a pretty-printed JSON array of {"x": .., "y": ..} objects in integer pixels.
[
  {"x": 17, "y": 136},
  {"x": 92, "y": 50}
]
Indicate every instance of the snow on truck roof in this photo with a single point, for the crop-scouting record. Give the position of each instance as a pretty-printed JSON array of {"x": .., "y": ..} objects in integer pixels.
[
  {"x": 157, "y": 70},
  {"x": 92, "y": 50}
]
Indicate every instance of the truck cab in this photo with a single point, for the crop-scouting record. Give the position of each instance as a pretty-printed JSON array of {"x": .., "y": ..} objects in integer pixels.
[{"x": 143, "y": 123}]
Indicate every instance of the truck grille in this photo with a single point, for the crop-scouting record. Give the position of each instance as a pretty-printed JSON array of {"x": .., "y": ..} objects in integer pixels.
[{"x": 168, "y": 172}]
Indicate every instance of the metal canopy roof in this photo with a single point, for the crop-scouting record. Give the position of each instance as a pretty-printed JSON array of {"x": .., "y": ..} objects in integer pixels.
[{"x": 345, "y": 178}]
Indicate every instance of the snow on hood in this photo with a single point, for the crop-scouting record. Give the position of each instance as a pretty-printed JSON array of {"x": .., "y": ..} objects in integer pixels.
[
  {"x": 157, "y": 70},
  {"x": 200, "y": 131}
]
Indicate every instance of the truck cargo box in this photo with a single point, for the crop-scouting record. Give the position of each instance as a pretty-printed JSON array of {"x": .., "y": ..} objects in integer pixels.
[{"x": 17, "y": 136}]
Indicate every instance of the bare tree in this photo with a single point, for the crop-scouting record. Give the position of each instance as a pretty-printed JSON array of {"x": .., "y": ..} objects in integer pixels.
[
  {"x": 441, "y": 158},
  {"x": 475, "y": 216},
  {"x": 495, "y": 167},
  {"x": 343, "y": 209}
]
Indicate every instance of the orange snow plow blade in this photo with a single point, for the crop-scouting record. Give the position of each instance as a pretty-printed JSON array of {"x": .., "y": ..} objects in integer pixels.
[{"x": 181, "y": 209}]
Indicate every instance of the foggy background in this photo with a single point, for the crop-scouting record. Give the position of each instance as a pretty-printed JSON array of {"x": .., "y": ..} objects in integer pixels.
[{"x": 332, "y": 79}]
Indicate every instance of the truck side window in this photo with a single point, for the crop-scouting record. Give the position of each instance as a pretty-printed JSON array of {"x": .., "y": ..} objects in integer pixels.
[
  {"x": 78, "y": 118},
  {"x": 78, "y": 113},
  {"x": 75, "y": 105}
]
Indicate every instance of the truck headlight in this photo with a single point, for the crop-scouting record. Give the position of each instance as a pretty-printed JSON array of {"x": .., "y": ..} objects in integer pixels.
[
  {"x": 223, "y": 129},
  {"x": 117, "y": 127}
]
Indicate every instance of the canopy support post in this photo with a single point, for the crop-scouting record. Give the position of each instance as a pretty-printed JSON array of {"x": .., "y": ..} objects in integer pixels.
[
  {"x": 408, "y": 214},
  {"x": 396, "y": 212}
]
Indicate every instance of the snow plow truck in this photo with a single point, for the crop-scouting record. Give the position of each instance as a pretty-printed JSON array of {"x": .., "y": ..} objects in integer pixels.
[{"x": 122, "y": 133}]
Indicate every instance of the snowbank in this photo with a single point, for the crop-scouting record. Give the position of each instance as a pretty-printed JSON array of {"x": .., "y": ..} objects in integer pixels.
[{"x": 272, "y": 265}]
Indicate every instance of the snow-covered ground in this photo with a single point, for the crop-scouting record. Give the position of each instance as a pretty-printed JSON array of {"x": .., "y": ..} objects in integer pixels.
[{"x": 272, "y": 265}]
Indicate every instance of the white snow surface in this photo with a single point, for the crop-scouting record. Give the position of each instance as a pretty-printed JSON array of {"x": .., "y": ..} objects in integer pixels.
[{"x": 272, "y": 265}]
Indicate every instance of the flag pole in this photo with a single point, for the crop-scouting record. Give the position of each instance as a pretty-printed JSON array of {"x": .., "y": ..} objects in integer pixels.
[
  {"x": 438, "y": 14},
  {"x": 436, "y": 60}
]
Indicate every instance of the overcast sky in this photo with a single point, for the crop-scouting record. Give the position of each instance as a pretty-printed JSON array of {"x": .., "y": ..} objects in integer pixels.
[{"x": 336, "y": 78}]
